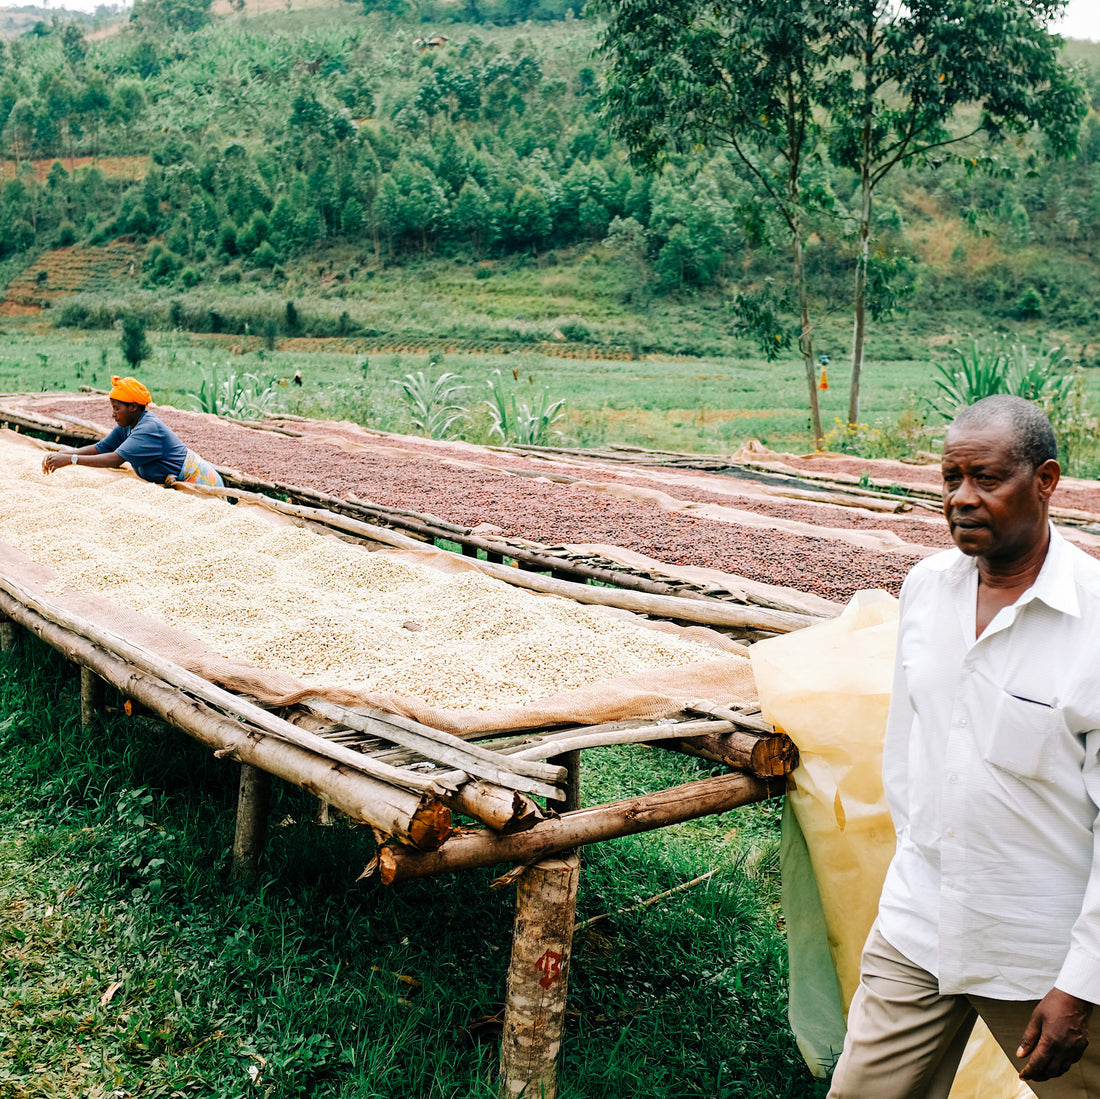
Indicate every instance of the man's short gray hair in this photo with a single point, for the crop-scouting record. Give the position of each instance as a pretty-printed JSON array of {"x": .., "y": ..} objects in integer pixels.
[{"x": 1033, "y": 439}]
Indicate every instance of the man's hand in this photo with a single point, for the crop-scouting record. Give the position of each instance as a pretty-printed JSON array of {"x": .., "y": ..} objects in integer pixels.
[{"x": 1055, "y": 1037}]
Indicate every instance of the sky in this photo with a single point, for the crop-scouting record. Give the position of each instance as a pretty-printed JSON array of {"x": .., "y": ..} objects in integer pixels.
[{"x": 1081, "y": 20}]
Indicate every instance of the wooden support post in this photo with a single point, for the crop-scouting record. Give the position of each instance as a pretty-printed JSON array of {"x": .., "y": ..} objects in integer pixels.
[
  {"x": 571, "y": 788},
  {"x": 538, "y": 978},
  {"x": 253, "y": 800},
  {"x": 494, "y": 558},
  {"x": 9, "y": 636},
  {"x": 91, "y": 697}
]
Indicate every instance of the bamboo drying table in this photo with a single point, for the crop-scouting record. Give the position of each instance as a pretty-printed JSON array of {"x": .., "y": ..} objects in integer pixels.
[
  {"x": 408, "y": 779},
  {"x": 405, "y": 779}
]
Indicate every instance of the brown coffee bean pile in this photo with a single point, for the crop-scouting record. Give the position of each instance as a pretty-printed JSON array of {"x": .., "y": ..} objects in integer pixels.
[{"x": 425, "y": 478}]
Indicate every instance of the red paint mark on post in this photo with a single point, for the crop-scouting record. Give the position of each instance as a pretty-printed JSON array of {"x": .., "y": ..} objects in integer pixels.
[{"x": 549, "y": 965}]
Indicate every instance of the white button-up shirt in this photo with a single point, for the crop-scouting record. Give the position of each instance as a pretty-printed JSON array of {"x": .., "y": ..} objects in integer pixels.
[{"x": 992, "y": 773}]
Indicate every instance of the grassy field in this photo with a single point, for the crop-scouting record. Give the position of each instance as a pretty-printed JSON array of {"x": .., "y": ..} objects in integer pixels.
[
  {"x": 711, "y": 404},
  {"x": 131, "y": 967}
]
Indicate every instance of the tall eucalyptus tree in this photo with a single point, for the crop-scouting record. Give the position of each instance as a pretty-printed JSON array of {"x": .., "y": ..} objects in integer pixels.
[
  {"x": 904, "y": 73},
  {"x": 751, "y": 75}
]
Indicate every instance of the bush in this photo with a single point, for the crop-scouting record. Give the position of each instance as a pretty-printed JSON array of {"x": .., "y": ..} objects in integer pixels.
[
  {"x": 135, "y": 347},
  {"x": 1029, "y": 305},
  {"x": 265, "y": 255},
  {"x": 189, "y": 277},
  {"x": 66, "y": 234}
]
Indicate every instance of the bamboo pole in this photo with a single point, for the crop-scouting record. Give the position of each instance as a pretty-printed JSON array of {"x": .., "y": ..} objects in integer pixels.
[
  {"x": 417, "y": 819},
  {"x": 538, "y": 979},
  {"x": 250, "y": 835},
  {"x": 440, "y": 747},
  {"x": 91, "y": 697},
  {"x": 478, "y": 847}
]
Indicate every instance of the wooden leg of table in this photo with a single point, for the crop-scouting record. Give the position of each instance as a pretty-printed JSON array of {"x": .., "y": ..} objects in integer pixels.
[
  {"x": 9, "y": 634},
  {"x": 253, "y": 800},
  {"x": 571, "y": 761},
  {"x": 538, "y": 978},
  {"x": 91, "y": 697}
]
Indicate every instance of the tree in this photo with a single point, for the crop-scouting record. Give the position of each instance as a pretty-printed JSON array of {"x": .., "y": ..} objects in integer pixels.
[
  {"x": 171, "y": 15},
  {"x": 904, "y": 71},
  {"x": 73, "y": 45},
  {"x": 135, "y": 347},
  {"x": 530, "y": 220},
  {"x": 747, "y": 74}
]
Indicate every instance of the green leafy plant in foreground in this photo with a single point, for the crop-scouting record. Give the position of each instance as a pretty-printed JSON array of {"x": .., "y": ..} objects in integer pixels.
[
  {"x": 432, "y": 404},
  {"x": 238, "y": 397},
  {"x": 985, "y": 371},
  {"x": 515, "y": 421}
]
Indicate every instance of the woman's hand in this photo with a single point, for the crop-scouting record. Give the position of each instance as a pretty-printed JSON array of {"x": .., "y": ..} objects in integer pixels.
[{"x": 56, "y": 460}]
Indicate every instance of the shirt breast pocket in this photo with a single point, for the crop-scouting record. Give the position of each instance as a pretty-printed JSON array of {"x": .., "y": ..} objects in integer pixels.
[{"x": 1024, "y": 737}]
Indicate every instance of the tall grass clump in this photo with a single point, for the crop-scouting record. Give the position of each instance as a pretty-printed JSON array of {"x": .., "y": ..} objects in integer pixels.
[
  {"x": 432, "y": 404},
  {"x": 237, "y": 397},
  {"x": 529, "y": 423},
  {"x": 985, "y": 371}
]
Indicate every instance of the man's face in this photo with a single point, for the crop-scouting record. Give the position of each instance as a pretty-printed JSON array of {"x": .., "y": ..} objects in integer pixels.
[
  {"x": 125, "y": 413},
  {"x": 995, "y": 503}
]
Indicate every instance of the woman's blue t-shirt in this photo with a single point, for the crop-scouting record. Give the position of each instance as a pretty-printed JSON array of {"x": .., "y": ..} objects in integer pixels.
[{"x": 151, "y": 447}]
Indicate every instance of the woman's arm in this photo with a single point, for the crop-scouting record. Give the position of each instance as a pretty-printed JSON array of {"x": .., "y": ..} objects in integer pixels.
[{"x": 85, "y": 456}]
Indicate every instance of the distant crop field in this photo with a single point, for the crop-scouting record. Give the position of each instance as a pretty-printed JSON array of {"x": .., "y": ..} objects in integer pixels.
[
  {"x": 72, "y": 270},
  {"x": 115, "y": 167}
]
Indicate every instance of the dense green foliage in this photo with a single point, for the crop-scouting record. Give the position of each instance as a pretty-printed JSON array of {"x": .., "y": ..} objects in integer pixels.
[{"x": 274, "y": 141}]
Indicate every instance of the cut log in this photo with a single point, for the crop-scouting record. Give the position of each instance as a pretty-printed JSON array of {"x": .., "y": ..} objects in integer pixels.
[
  {"x": 417, "y": 819},
  {"x": 763, "y": 755},
  {"x": 479, "y": 847},
  {"x": 504, "y": 810},
  {"x": 538, "y": 979}
]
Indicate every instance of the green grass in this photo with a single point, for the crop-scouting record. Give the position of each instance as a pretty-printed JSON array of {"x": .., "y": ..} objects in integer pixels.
[{"x": 129, "y": 961}]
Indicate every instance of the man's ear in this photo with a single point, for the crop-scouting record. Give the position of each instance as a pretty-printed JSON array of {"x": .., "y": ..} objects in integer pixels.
[{"x": 1047, "y": 477}]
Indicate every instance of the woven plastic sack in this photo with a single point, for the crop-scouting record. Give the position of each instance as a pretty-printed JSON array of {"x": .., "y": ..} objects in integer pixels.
[{"x": 828, "y": 688}]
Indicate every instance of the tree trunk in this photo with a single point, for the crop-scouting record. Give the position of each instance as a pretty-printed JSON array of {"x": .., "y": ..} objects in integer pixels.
[
  {"x": 805, "y": 336},
  {"x": 859, "y": 305},
  {"x": 538, "y": 978},
  {"x": 866, "y": 185}
]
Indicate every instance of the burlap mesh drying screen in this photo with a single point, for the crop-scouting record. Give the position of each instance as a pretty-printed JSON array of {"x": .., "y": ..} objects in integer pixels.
[{"x": 649, "y": 694}]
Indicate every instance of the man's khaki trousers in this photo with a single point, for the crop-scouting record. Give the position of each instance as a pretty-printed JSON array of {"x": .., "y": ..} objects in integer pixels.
[{"x": 905, "y": 1040}]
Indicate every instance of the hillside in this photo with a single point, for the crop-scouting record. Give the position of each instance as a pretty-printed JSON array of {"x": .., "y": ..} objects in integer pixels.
[{"x": 392, "y": 190}]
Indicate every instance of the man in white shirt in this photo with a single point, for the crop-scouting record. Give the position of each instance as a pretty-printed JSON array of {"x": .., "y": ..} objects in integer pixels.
[{"x": 991, "y": 905}]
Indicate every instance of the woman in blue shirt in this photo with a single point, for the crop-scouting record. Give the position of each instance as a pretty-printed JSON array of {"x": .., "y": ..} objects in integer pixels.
[{"x": 151, "y": 447}]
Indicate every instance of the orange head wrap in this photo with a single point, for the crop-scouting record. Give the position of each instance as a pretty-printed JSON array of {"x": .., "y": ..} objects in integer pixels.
[{"x": 129, "y": 390}]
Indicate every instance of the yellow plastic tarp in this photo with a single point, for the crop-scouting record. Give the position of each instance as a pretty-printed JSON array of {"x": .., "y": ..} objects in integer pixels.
[{"x": 828, "y": 688}]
